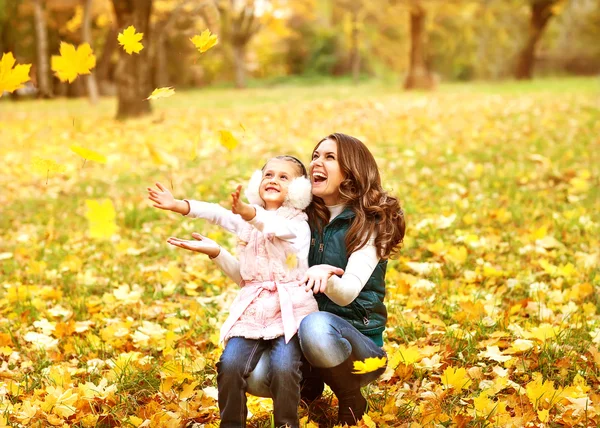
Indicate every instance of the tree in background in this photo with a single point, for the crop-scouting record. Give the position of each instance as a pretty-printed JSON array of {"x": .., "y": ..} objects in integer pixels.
[
  {"x": 86, "y": 37},
  {"x": 240, "y": 22},
  {"x": 419, "y": 76},
  {"x": 541, "y": 13},
  {"x": 43, "y": 64},
  {"x": 133, "y": 71}
]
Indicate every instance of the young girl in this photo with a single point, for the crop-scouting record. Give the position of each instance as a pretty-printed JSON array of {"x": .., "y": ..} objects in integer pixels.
[
  {"x": 355, "y": 227},
  {"x": 274, "y": 239}
]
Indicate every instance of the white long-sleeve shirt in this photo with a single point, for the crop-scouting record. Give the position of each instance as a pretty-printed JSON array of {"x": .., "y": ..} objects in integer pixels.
[{"x": 341, "y": 290}]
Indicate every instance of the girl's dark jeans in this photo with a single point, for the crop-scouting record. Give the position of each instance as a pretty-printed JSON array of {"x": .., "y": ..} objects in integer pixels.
[{"x": 239, "y": 359}]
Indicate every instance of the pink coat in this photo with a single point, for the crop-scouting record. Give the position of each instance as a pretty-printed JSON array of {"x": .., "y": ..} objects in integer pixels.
[{"x": 271, "y": 302}]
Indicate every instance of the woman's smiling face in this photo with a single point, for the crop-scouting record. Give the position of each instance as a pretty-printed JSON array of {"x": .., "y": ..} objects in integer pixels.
[{"x": 325, "y": 172}]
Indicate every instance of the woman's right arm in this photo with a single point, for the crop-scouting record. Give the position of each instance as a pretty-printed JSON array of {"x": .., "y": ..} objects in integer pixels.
[{"x": 342, "y": 287}]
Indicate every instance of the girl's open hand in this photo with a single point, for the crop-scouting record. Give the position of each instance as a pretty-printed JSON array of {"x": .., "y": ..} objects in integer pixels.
[
  {"x": 316, "y": 277},
  {"x": 162, "y": 197},
  {"x": 239, "y": 207},
  {"x": 201, "y": 244}
]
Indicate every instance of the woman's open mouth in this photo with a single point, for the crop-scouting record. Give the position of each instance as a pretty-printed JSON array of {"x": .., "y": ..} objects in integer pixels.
[{"x": 318, "y": 177}]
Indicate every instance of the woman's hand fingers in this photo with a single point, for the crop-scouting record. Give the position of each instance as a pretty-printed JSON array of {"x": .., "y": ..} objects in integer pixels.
[{"x": 160, "y": 186}]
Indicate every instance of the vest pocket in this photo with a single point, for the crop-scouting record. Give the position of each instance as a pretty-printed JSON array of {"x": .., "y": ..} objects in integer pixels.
[{"x": 361, "y": 312}]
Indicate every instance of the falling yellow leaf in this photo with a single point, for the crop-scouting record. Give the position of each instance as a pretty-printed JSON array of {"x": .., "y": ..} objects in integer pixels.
[
  {"x": 130, "y": 40},
  {"x": 101, "y": 216},
  {"x": 11, "y": 78},
  {"x": 160, "y": 157},
  {"x": 88, "y": 154},
  {"x": 75, "y": 22},
  {"x": 228, "y": 140},
  {"x": 161, "y": 93},
  {"x": 204, "y": 41},
  {"x": 72, "y": 62},
  {"x": 369, "y": 365},
  {"x": 46, "y": 166}
]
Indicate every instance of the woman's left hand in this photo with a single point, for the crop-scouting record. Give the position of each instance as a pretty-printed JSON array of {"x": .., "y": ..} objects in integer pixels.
[{"x": 316, "y": 277}]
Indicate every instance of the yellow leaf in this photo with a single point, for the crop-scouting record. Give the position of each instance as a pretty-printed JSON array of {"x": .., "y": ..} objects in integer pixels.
[
  {"x": 46, "y": 166},
  {"x": 539, "y": 391},
  {"x": 159, "y": 157},
  {"x": 101, "y": 216},
  {"x": 135, "y": 421},
  {"x": 455, "y": 378},
  {"x": 73, "y": 62},
  {"x": 228, "y": 140},
  {"x": 409, "y": 355},
  {"x": 543, "y": 415},
  {"x": 369, "y": 365},
  {"x": 11, "y": 78},
  {"x": 88, "y": 154},
  {"x": 75, "y": 22},
  {"x": 368, "y": 421},
  {"x": 130, "y": 40},
  {"x": 187, "y": 390},
  {"x": 161, "y": 93},
  {"x": 291, "y": 261},
  {"x": 204, "y": 41}
]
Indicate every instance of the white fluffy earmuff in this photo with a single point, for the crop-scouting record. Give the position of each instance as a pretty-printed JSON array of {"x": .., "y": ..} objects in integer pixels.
[
  {"x": 299, "y": 192},
  {"x": 252, "y": 190}
]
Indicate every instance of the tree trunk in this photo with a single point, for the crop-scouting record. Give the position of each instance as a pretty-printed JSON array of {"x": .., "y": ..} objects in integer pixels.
[
  {"x": 239, "y": 62},
  {"x": 86, "y": 37},
  {"x": 354, "y": 51},
  {"x": 418, "y": 76},
  {"x": 41, "y": 33},
  {"x": 541, "y": 12},
  {"x": 133, "y": 71}
]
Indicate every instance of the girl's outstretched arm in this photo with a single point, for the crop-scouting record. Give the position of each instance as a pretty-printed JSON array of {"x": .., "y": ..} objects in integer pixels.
[
  {"x": 164, "y": 200},
  {"x": 222, "y": 258}
]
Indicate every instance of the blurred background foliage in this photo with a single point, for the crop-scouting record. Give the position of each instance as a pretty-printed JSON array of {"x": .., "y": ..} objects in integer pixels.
[{"x": 272, "y": 41}]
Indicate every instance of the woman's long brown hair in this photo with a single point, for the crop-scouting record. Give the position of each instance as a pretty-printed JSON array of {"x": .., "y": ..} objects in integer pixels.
[{"x": 376, "y": 212}]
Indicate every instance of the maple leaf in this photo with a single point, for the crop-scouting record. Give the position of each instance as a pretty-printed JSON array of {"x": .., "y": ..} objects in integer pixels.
[
  {"x": 227, "y": 140},
  {"x": 130, "y": 40},
  {"x": 204, "y": 41},
  {"x": 101, "y": 217},
  {"x": 72, "y": 62},
  {"x": 161, "y": 93},
  {"x": 369, "y": 365},
  {"x": 88, "y": 154},
  {"x": 455, "y": 378},
  {"x": 409, "y": 355},
  {"x": 539, "y": 391},
  {"x": 11, "y": 78}
]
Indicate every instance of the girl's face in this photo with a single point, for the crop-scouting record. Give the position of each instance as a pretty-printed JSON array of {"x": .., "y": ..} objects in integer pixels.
[
  {"x": 277, "y": 176},
  {"x": 325, "y": 173}
]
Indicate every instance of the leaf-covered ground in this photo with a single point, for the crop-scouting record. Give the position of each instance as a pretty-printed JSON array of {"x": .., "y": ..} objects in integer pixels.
[{"x": 493, "y": 301}]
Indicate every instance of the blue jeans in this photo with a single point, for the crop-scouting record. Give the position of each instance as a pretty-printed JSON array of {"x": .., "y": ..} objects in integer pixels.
[
  {"x": 239, "y": 358},
  {"x": 327, "y": 340}
]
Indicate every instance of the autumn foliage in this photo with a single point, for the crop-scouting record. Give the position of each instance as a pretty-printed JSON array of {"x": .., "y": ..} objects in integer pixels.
[{"x": 493, "y": 307}]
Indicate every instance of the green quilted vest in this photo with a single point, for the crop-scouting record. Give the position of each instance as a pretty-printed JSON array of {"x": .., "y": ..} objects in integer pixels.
[{"x": 367, "y": 312}]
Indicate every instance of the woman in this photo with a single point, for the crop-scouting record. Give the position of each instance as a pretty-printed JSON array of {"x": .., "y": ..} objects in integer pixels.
[{"x": 355, "y": 227}]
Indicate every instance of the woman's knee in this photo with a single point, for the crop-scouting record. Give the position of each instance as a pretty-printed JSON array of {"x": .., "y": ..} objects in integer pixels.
[{"x": 321, "y": 343}]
